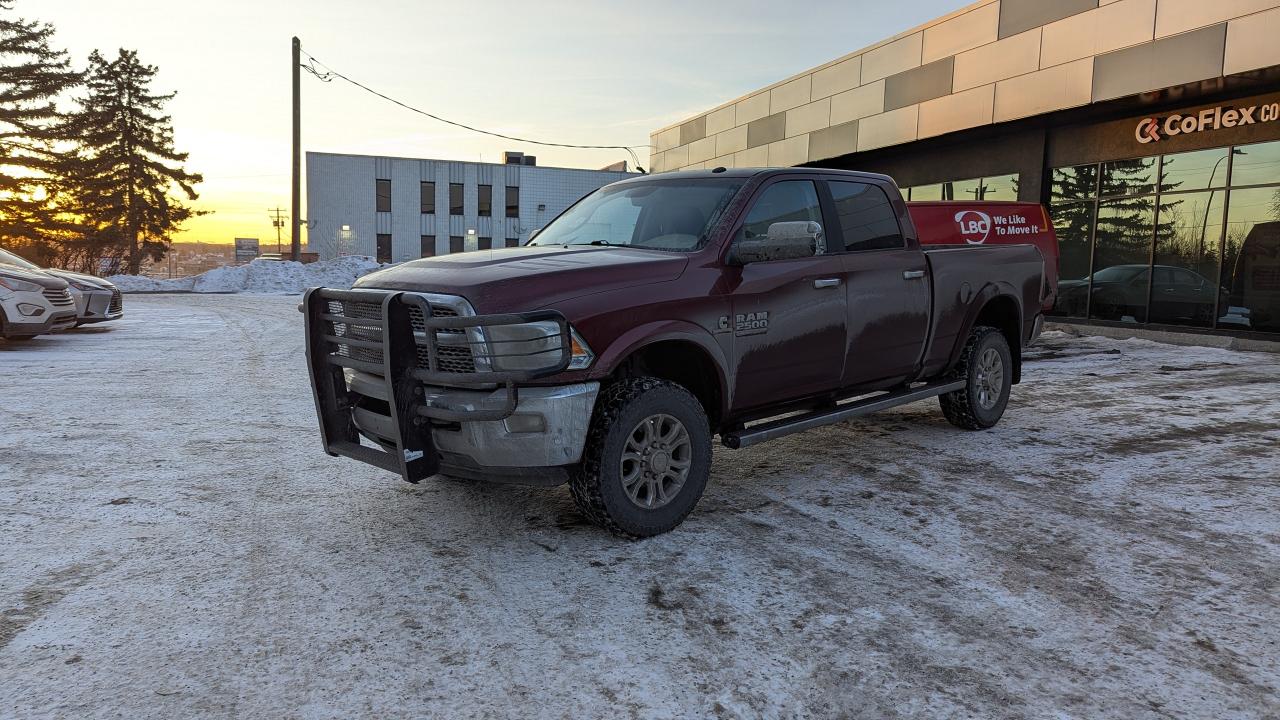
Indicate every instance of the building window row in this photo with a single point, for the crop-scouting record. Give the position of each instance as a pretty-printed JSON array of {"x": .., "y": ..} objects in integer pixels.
[
  {"x": 382, "y": 199},
  {"x": 457, "y": 244},
  {"x": 1189, "y": 239}
]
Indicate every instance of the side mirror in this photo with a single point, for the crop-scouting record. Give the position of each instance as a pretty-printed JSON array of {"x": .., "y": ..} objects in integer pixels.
[
  {"x": 785, "y": 241},
  {"x": 535, "y": 232}
]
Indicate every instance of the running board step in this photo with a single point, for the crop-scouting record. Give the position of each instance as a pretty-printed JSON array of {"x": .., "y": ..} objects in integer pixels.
[{"x": 757, "y": 434}]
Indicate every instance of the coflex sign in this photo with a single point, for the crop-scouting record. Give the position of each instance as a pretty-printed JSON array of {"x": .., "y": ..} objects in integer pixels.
[{"x": 1155, "y": 129}]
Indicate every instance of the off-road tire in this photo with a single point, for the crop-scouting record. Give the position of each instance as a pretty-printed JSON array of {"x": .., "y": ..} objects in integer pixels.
[
  {"x": 961, "y": 407},
  {"x": 596, "y": 482}
]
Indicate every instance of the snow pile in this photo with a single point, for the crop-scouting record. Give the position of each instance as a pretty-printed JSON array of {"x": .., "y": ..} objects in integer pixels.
[{"x": 259, "y": 276}]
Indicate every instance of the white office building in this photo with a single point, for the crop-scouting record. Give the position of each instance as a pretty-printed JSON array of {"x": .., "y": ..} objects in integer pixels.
[{"x": 398, "y": 209}]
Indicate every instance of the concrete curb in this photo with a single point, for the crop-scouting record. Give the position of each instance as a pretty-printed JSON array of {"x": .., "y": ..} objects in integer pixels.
[{"x": 1225, "y": 342}]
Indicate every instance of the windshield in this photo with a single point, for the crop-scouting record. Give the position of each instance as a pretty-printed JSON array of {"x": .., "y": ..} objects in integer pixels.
[
  {"x": 8, "y": 258},
  {"x": 672, "y": 215}
]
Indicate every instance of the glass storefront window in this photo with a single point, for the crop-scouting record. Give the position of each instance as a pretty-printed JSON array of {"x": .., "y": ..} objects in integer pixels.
[
  {"x": 1121, "y": 259},
  {"x": 1004, "y": 187},
  {"x": 1188, "y": 235},
  {"x": 1256, "y": 164},
  {"x": 1128, "y": 177},
  {"x": 926, "y": 192},
  {"x": 962, "y": 190},
  {"x": 1073, "y": 224},
  {"x": 1201, "y": 247},
  {"x": 1198, "y": 170},
  {"x": 1074, "y": 183},
  {"x": 1251, "y": 259}
]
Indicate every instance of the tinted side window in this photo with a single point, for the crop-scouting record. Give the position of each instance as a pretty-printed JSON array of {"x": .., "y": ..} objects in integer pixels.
[
  {"x": 787, "y": 201},
  {"x": 867, "y": 218}
]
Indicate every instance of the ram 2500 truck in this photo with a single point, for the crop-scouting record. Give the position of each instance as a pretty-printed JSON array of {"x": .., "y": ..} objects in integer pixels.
[{"x": 656, "y": 313}]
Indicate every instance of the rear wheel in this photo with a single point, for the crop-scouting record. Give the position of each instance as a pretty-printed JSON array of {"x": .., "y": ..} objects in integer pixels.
[
  {"x": 646, "y": 460},
  {"x": 986, "y": 366}
]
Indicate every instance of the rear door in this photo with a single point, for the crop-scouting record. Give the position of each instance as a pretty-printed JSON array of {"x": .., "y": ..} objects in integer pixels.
[
  {"x": 886, "y": 282},
  {"x": 788, "y": 320}
]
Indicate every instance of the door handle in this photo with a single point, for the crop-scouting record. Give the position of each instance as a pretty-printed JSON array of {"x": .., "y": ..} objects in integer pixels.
[
  {"x": 826, "y": 283},
  {"x": 912, "y": 274}
]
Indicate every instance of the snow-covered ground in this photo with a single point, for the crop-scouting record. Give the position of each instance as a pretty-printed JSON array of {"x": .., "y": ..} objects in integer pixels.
[
  {"x": 259, "y": 276},
  {"x": 173, "y": 543}
]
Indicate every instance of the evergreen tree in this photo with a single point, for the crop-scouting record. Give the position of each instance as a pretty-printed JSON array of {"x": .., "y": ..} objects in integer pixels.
[
  {"x": 132, "y": 181},
  {"x": 32, "y": 76}
]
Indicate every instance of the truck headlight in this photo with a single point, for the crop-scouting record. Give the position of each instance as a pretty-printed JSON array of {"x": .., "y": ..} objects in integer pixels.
[
  {"x": 532, "y": 346},
  {"x": 83, "y": 286},
  {"x": 17, "y": 285}
]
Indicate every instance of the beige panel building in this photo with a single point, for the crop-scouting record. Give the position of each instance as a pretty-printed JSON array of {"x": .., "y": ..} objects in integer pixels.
[{"x": 1151, "y": 129}]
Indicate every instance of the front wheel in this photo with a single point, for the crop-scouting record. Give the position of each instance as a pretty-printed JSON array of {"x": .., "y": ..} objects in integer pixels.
[
  {"x": 646, "y": 460},
  {"x": 986, "y": 366}
]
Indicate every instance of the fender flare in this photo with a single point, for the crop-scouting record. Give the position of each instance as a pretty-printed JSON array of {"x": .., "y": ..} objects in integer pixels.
[
  {"x": 642, "y": 336},
  {"x": 981, "y": 299}
]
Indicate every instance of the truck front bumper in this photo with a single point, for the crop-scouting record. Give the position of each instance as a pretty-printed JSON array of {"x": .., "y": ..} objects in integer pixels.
[
  {"x": 547, "y": 428},
  {"x": 407, "y": 382}
]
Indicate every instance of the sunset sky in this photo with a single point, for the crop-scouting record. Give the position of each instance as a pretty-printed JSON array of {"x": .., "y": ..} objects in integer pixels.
[{"x": 581, "y": 72}]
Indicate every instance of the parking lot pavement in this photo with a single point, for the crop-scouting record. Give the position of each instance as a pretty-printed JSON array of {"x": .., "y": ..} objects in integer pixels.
[{"x": 173, "y": 543}]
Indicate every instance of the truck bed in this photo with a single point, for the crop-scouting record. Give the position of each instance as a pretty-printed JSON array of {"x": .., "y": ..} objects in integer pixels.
[
  {"x": 966, "y": 222},
  {"x": 959, "y": 273}
]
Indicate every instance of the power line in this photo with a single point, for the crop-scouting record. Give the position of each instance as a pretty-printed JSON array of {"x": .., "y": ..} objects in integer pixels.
[{"x": 327, "y": 74}]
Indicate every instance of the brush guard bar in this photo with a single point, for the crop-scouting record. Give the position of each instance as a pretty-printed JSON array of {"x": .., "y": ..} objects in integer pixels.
[{"x": 389, "y": 350}]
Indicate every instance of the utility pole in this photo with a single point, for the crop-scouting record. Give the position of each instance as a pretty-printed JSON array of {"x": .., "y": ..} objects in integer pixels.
[
  {"x": 277, "y": 221},
  {"x": 296, "y": 233}
]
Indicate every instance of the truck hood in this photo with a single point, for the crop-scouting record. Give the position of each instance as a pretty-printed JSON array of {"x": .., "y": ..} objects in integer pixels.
[{"x": 530, "y": 277}]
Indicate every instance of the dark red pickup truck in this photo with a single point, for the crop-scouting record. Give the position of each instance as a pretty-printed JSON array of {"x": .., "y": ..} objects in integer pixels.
[{"x": 655, "y": 313}]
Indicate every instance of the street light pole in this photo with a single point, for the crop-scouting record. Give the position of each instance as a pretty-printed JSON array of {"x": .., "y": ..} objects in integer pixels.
[
  {"x": 1204, "y": 226},
  {"x": 296, "y": 189}
]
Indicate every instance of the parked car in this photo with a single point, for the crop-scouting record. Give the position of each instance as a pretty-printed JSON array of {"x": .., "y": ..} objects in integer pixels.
[
  {"x": 96, "y": 300},
  {"x": 659, "y": 311},
  {"x": 1121, "y": 291},
  {"x": 33, "y": 303}
]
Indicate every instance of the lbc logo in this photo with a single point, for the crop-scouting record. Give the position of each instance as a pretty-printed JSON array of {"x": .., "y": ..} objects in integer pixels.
[{"x": 975, "y": 226}]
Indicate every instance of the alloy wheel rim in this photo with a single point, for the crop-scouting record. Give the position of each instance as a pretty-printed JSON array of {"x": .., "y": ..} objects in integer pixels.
[
  {"x": 655, "y": 461},
  {"x": 990, "y": 378}
]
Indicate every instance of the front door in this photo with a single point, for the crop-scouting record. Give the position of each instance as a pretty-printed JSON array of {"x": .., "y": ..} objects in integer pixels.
[
  {"x": 788, "y": 320},
  {"x": 384, "y": 248}
]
